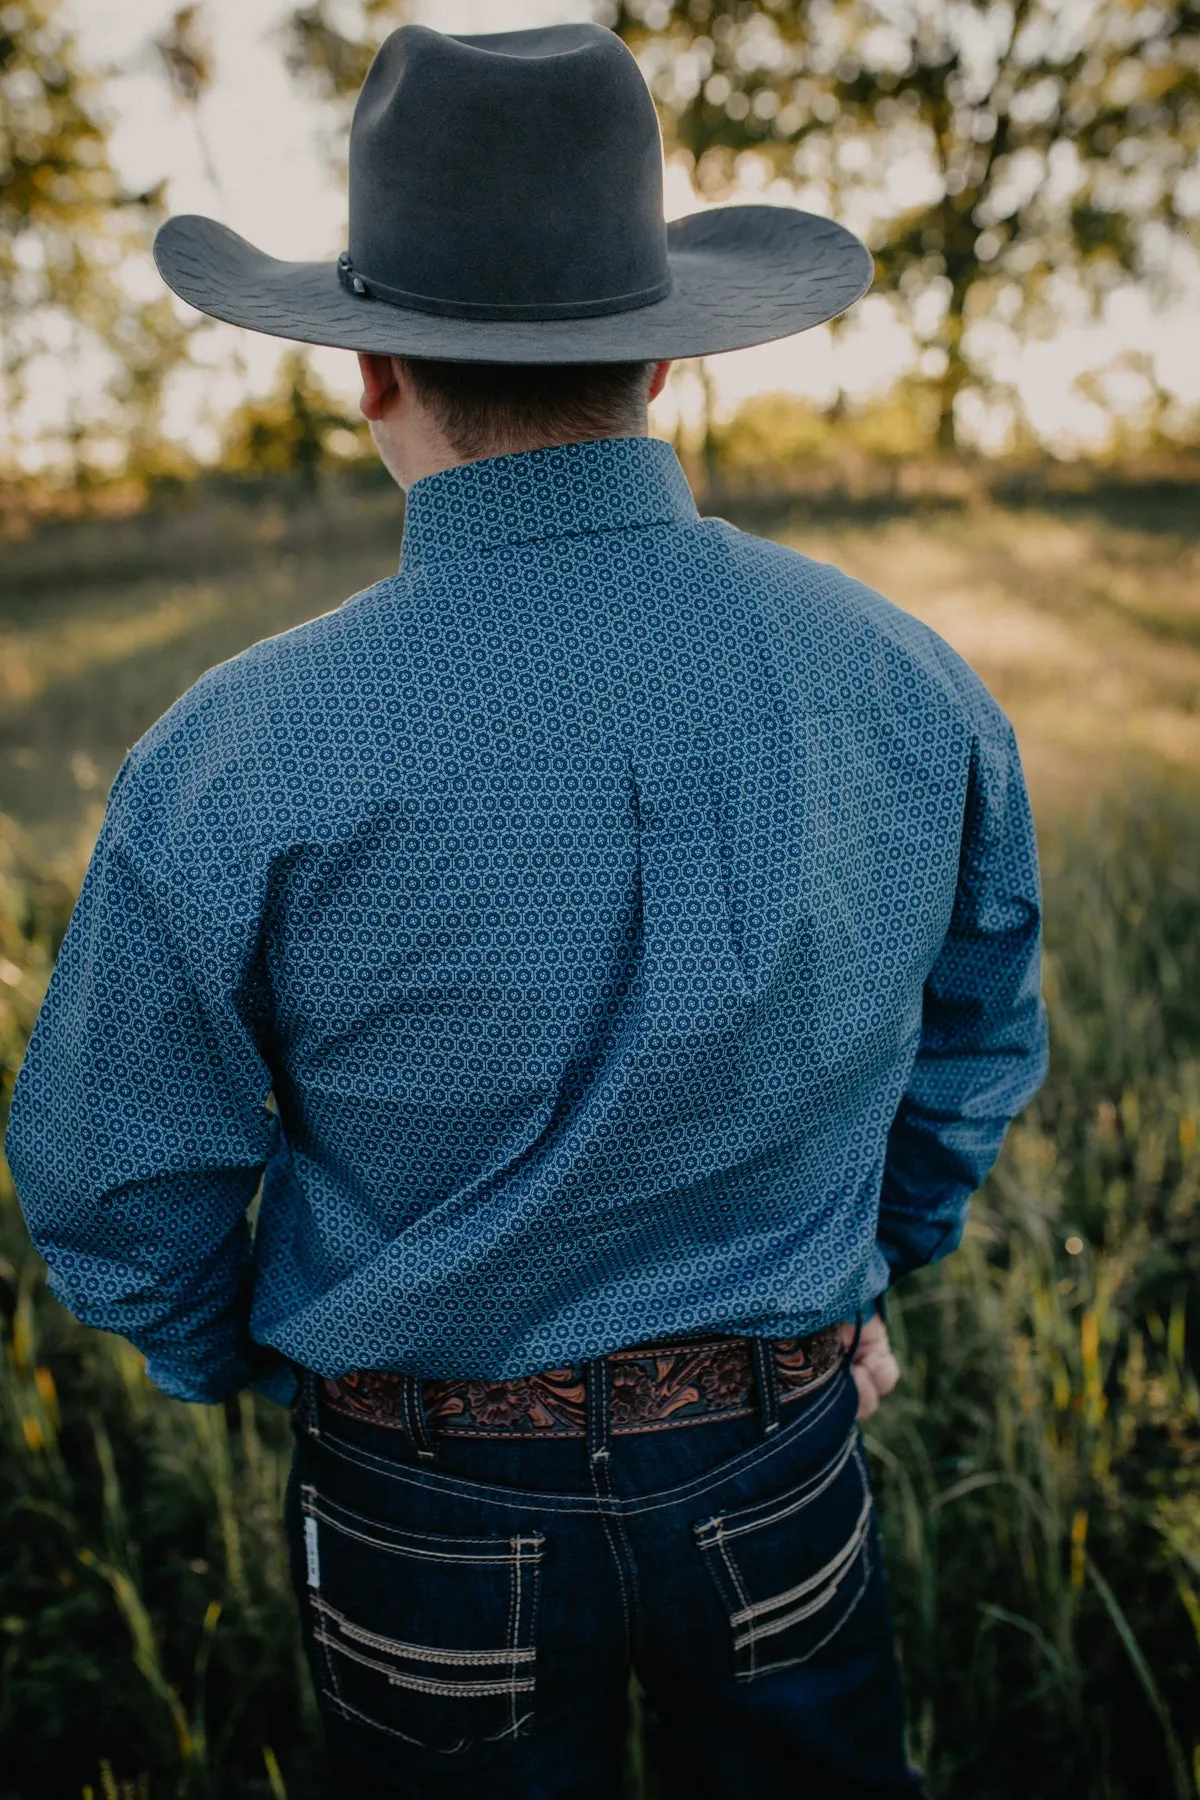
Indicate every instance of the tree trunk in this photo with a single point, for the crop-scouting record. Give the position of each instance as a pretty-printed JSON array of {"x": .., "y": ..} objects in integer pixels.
[
  {"x": 954, "y": 379},
  {"x": 946, "y": 441},
  {"x": 708, "y": 445}
]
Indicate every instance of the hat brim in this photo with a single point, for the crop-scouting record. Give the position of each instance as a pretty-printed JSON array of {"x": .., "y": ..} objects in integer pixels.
[{"x": 741, "y": 275}]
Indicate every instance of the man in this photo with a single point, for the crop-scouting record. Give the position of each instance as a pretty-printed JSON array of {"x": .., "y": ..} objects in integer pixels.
[{"x": 613, "y": 943}]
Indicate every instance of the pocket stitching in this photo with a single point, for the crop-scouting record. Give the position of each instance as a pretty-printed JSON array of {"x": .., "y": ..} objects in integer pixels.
[
  {"x": 422, "y": 1652},
  {"x": 326, "y": 1655},
  {"x": 846, "y": 1555},
  {"x": 352, "y": 1712},
  {"x": 523, "y": 1552},
  {"x": 715, "y": 1533},
  {"x": 793, "y": 1662},
  {"x": 447, "y": 1690},
  {"x": 534, "y": 1563},
  {"x": 745, "y": 1519},
  {"x": 411, "y": 1543},
  {"x": 736, "y": 1583},
  {"x": 514, "y": 1609}
]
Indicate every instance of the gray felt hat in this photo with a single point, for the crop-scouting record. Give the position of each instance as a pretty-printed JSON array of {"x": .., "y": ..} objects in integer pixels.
[{"x": 506, "y": 206}]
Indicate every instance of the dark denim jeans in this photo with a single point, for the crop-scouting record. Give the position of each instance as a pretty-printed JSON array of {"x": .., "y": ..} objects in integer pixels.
[{"x": 472, "y": 1620}]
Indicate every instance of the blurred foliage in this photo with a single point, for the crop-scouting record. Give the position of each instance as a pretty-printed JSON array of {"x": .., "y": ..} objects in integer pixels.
[
  {"x": 298, "y": 429},
  {"x": 333, "y": 58},
  {"x": 68, "y": 233},
  {"x": 772, "y": 436},
  {"x": 186, "y": 53},
  {"x": 1038, "y": 1471},
  {"x": 779, "y": 443},
  {"x": 1049, "y": 141},
  {"x": 1054, "y": 150}
]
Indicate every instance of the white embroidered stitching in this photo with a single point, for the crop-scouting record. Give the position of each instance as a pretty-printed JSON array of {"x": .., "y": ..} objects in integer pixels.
[
  {"x": 451, "y": 1690},
  {"x": 416, "y": 1652},
  {"x": 823, "y": 1586},
  {"x": 502, "y": 1554},
  {"x": 794, "y": 1503},
  {"x": 792, "y": 1662},
  {"x": 735, "y": 1580}
]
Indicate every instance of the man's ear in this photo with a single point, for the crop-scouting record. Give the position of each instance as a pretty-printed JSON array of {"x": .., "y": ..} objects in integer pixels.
[
  {"x": 658, "y": 380},
  {"x": 380, "y": 388}
]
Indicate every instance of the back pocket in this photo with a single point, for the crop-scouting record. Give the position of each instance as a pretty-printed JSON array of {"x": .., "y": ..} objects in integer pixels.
[
  {"x": 428, "y": 1639},
  {"x": 791, "y": 1570}
]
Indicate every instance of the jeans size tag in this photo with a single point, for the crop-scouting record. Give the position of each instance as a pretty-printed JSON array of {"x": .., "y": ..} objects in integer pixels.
[{"x": 312, "y": 1555}]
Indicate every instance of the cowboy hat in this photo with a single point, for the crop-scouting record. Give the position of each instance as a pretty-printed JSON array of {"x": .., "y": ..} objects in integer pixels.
[{"x": 506, "y": 206}]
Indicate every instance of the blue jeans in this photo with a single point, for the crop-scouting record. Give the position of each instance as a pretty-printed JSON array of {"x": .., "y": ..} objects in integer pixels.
[{"x": 472, "y": 1620}]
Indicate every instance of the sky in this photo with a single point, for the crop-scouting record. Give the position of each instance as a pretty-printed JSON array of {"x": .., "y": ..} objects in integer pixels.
[{"x": 276, "y": 185}]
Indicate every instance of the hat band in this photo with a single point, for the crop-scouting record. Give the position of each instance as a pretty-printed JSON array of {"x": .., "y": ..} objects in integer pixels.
[{"x": 365, "y": 287}]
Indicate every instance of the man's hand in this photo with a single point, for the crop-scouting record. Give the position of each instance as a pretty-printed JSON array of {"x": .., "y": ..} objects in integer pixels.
[{"x": 874, "y": 1368}]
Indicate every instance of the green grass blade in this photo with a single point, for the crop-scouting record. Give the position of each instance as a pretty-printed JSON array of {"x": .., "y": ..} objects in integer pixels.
[{"x": 1181, "y": 1781}]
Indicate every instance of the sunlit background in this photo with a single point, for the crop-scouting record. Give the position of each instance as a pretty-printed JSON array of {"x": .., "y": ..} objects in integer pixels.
[{"x": 256, "y": 145}]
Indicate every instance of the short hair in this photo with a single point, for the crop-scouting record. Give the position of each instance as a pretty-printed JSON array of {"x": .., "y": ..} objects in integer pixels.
[{"x": 492, "y": 409}]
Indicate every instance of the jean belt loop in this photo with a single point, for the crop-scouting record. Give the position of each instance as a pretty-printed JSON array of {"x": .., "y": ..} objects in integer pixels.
[
  {"x": 307, "y": 1411},
  {"x": 598, "y": 1410},
  {"x": 766, "y": 1370},
  {"x": 416, "y": 1426},
  {"x": 854, "y": 1342}
]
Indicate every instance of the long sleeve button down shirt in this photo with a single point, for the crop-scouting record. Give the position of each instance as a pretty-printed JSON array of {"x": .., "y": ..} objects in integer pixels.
[{"x": 610, "y": 925}]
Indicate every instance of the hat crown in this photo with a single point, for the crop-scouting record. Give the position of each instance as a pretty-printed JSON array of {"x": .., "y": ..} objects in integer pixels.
[{"x": 517, "y": 175}]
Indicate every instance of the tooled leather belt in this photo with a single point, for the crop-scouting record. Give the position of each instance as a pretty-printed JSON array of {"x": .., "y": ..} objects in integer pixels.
[{"x": 652, "y": 1387}]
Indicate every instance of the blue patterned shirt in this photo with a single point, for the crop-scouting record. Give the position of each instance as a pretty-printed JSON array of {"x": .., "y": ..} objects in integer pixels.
[{"x": 608, "y": 926}]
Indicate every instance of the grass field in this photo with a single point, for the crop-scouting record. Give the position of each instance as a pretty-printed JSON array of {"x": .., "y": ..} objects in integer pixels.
[
  {"x": 1086, "y": 629},
  {"x": 1038, "y": 1471}
]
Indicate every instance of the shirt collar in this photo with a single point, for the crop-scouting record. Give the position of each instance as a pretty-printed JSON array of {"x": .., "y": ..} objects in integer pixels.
[{"x": 618, "y": 484}]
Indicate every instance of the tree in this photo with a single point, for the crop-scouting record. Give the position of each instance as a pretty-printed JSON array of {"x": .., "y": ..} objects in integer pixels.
[
  {"x": 185, "y": 54},
  {"x": 1001, "y": 156},
  {"x": 333, "y": 60},
  {"x": 68, "y": 232},
  {"x": 994, "y": 152},
  {"x": 297, "y": 430}
]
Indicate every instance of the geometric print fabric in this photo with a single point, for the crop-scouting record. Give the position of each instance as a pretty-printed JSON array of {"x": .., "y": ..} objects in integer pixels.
[{"x": 612, "y": 925}]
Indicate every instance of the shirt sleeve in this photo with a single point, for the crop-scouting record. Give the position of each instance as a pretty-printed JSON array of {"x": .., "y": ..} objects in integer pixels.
[
  {"x": 983, "y": 1046},
  {"x": 139, "y": 1125}
]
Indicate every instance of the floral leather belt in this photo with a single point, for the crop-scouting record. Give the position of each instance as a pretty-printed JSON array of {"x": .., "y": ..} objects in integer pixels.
[{"x": 651, "y": 1386}]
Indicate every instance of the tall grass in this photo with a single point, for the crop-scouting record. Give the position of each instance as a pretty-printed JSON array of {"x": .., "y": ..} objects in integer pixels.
[{"x": 1037, "y": 1471}]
